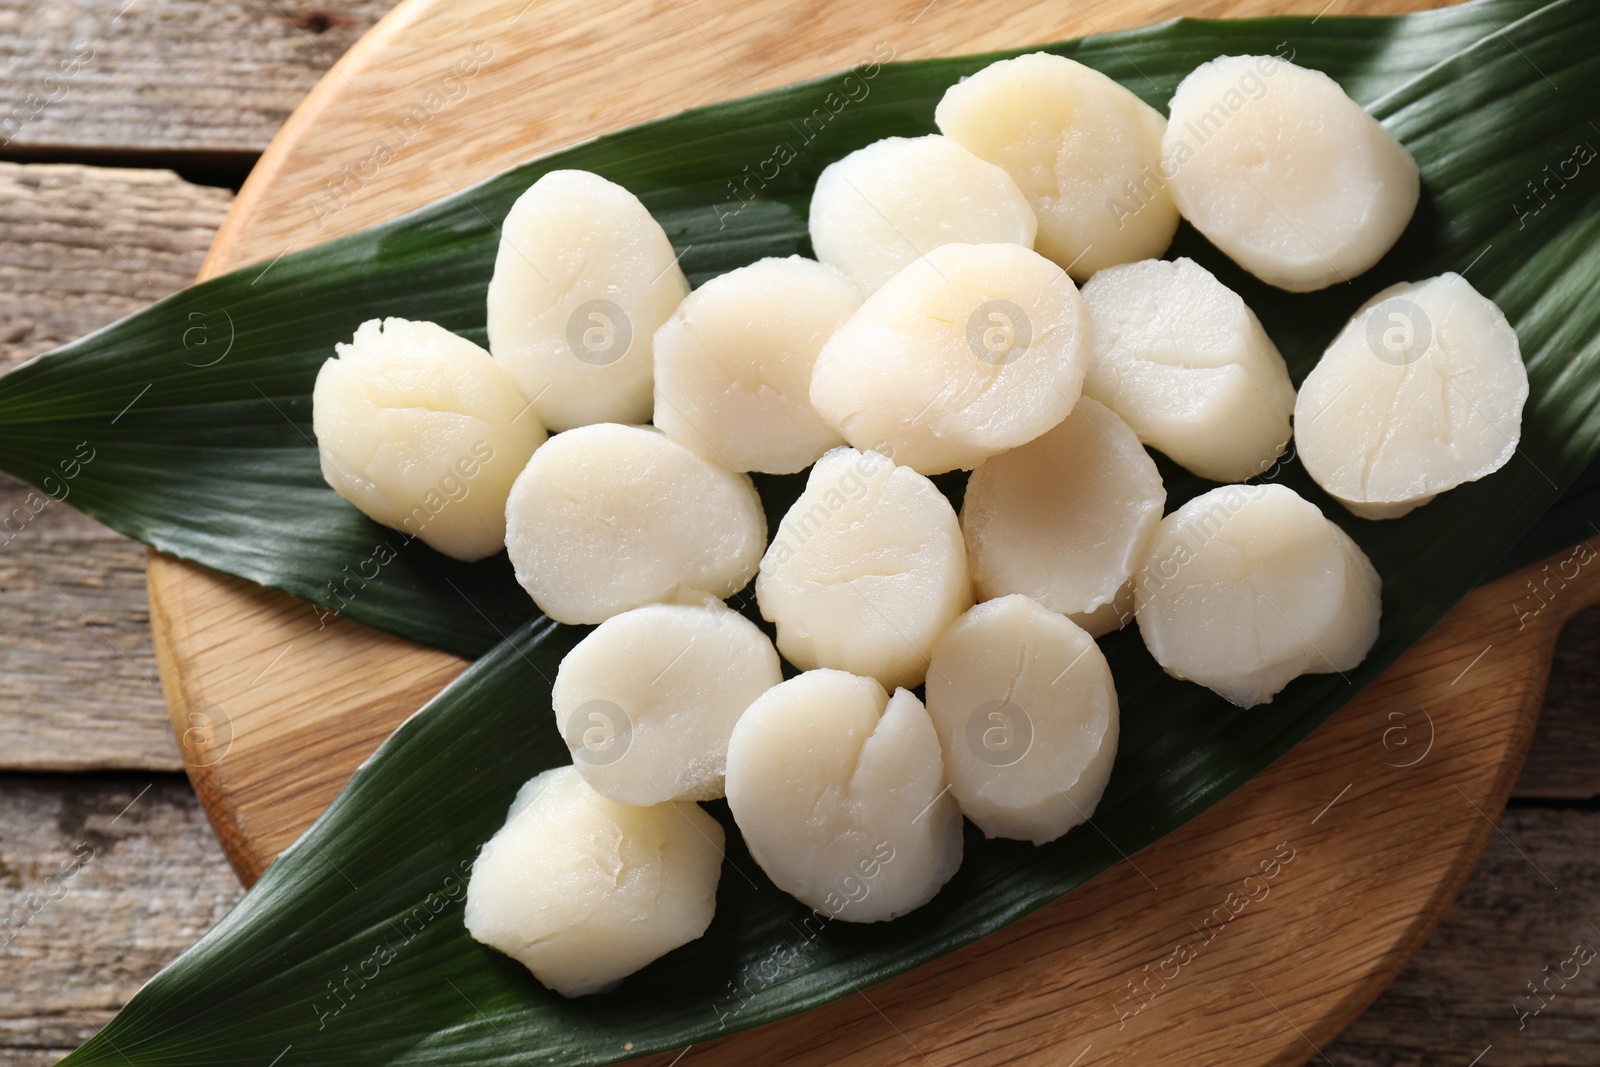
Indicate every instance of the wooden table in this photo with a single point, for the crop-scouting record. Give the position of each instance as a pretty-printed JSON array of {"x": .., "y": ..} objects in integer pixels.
[{"x": 88, "y": 771}]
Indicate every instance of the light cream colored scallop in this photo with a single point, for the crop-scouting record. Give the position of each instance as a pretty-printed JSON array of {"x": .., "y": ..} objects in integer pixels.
[
  {"x": 606, "y": 518},
  {"x": 1248, "y": 587},
  {"x": 882, "y": 206},
  {"x": 1026, "y": 713},
  {"x": 423, "y": 432},
  {"x": 1187, "y": 365},
  {"x": 1066, "y": 518},
  {"x": 583, "y": 279},
  {"x": 1422, "y": 391},
  {"x": 839, "y": 792},
  {"x": 734, "y": 362},
  {"x": 647, "y": 700},
  {"x": 1285, "y": 173},
  {"x": 969, "y": 351},
  {"x": 865, "y": 570},
  {"x": 583, "y": 890},
  {"x": 1085, "y": 151}
]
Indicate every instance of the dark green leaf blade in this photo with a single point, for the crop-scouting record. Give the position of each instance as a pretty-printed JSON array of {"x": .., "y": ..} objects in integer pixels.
[{"x": 1473, "y": 91}]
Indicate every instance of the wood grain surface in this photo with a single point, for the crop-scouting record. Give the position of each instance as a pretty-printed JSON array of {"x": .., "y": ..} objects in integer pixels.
[
  {"x": 85, "y": 246},
  {"x": 103, "y": 880},
  {"x": 82, "y": 247},
  {"x": 168, "y": 882},
  {"x": 1369, "y": 882},
  {"x": 164, "y": 78}
]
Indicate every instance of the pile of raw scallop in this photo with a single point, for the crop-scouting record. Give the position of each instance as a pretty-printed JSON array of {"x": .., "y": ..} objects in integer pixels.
[{"x": 607, "y": 437}]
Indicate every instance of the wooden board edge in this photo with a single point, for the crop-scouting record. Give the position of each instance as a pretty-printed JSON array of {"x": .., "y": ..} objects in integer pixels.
[
  {"x": 1445, "y": 891},
  {"x": 277, "y": 153},
  {"x": 162, "y": 577}
]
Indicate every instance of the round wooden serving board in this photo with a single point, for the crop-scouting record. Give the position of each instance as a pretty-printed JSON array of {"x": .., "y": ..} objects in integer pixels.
[{"x": 1372, "y": 825}]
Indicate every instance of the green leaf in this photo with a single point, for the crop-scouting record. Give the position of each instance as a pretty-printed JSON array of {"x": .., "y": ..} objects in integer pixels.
[
  {"x": 1574, "y": 518},
  {"x": 211, "y": 465}
]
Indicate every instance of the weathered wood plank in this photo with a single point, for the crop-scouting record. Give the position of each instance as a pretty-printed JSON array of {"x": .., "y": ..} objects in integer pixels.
[
  {"x": 103, "y": 880},
  {"x": 78, "y": 683},
  {"x": 1564, "y": 761},
  {"x": 169, "y": 76},
  {"x": 80, "y": 247},
  {"x": 83, "y": 246},
  {"x": 1532, "y": 901}
]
